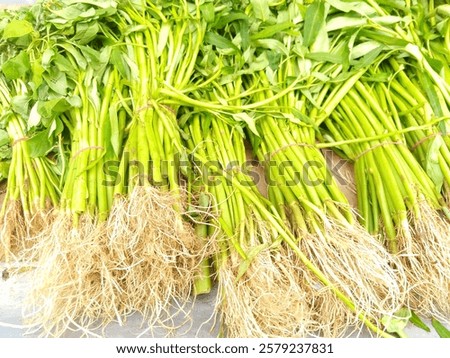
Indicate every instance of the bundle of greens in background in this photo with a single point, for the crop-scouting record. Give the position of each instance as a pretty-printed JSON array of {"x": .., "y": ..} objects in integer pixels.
[
  {"x": 380, "y": 127},
  {"x": 123, "y": 135},
  {"x": 31, "y": 140},
  {"x": 315, "y": 211}
]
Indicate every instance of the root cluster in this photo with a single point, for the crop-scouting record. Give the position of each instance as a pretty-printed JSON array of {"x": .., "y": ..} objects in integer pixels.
[{"x": 143, "y": 258}]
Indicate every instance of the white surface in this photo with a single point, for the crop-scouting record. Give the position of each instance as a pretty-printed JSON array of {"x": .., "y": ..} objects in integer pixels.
[{"x": 14, "y": 290}]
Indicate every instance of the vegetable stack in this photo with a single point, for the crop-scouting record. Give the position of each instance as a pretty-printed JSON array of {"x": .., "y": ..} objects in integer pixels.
[{"x": 129, "y": 133}]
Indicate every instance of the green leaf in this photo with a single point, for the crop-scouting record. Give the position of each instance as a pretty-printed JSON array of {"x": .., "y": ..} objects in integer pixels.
[
  {"x": 271, "y": 31},
  {"x": 86, "y": 32},
  {"x": 431, "y": 92},
  {"x": 4, "y": 168},
  {"x": 261, "y": 9},
  {"x": 104, "y": 4},
  {"x": 39, "y": 145},
  {"x": 443, "y": 10},
  {"x": 208, "y": 12},
  {"x": 220, "y": 41},
  {"x": 325, "y": 57},
  {"x": 56, "y": 80},
  {"x": 5, "y": 152},
  {"x": 74, "y": 101},
  {"x": 249, "y": 120},
  {"x": 56, "y": 127},
  {"x": 16, "y": 67},
  {"x": 37, "y": 70},
  {"x": 363, "y": 49},
  {"x": 368, "y": 59},
  {"x": 432, "y": 166},
  {"x": 78, "y": 57},
  {"x": 314, "y": 19},
  {"x": 440, "y": 329},
  {"x": 17, "y": 28},
  {"x": 53, "y": 107},
  {"x": 4, "y": 138},
  {"x": 416, "y": 321},
  {"x": 359, "y": 7},
  {"x": 232, "y": 16},
  {"x": 273, "y": 45},
  {"x": 398, "y": 322},
  {"x": 20, "y": 105},
  {"x": 118, "y": 61}
]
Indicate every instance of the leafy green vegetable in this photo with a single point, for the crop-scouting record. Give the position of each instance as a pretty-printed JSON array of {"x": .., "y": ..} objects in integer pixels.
[
  {"x": 415, "y": 320},
  {"x": 440, "y": 329},
  {"x": 314, "y": 20},
  {"x": 17, "y": 28}
]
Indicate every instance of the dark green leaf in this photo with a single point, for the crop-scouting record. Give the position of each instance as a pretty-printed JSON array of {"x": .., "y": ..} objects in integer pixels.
[
  {"x": 53, "y": 107},
  {"x": 232, "y": 16},
  {"x": 86, "y": 32},
  {"x": 435, "y": 64},
  {"x": 314, "y": 19},
  {"x": 17, "y": 28},
  {"x": 39, "y": 145},
  {"x": 56, "y": 80},
  {"x": 17, "y": 67},
  {"x": 440, "y": 329},
  {"x": 416, "y": 321},
  {"x": 56, "y": 127},
  {"x": 220, "y": 41},
  {"x": 78, "y": 57},
  {"x": 118, "y": 61}
]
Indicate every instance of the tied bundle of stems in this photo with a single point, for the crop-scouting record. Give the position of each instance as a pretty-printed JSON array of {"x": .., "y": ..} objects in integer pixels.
[
  {"x": 309, "y": 199},
  {"x": 300, "y": 186},
  {"x": 76, "y": 276},
  {"x": 158, "y": 49},
  {"x": 33, "y": 188},
  {"x": 126, "y": 245},
  {"x": 408, "y": 96},
  {"x": 251, "y": 227},
  {"x": 252, "y": 275},
  {"x": 257, "y": 251},
  {"x": 252, "y": 267},
  {"x": 395, "y": 195}
]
